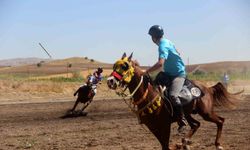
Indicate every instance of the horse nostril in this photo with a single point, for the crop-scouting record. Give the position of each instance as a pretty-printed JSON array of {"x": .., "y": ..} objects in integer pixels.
[{"x": 111, "y": 81}]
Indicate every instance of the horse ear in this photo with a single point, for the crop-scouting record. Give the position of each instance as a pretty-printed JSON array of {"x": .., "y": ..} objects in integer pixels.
[
  {"x": 124, "y": 55},
  {"x": 130, "y": 57}
]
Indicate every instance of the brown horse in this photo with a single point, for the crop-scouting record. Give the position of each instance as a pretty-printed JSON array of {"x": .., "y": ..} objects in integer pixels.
[
  {"x": 85, "y": 95},
  {"x": 152, "y": 111}
]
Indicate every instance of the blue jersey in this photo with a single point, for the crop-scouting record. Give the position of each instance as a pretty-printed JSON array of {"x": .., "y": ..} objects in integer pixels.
[
  {"x": 95, "y": 78},
  {"x": 173, "y": 65}
]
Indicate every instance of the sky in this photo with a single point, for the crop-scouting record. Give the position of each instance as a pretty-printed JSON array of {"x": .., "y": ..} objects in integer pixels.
[{"x": 203, "y": 30}]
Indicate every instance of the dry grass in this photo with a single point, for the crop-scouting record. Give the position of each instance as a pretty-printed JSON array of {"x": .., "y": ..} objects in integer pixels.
[
  {"x": 44, "y": 90},
  {"x": 83, "y": 74},
  {"x": 47, "y": 90}
]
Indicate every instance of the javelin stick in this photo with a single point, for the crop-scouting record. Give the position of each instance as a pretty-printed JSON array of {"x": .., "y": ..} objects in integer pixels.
[{"x": 45, "y": 50}]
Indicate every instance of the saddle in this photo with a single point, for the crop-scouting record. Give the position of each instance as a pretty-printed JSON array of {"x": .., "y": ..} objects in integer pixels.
[{"x": 189, "y": 91}]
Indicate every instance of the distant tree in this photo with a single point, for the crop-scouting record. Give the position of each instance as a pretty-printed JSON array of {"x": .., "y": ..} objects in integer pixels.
[
  {"x": 92, "y": 60},
  {"x": 39, "y": 64},
  {"x": 69, "y": 65},
  {"x": 86, "y": 58}
]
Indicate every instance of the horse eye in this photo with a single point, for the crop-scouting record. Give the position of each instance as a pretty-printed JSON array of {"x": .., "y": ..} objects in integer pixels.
[{"x": 125, "y": 67}]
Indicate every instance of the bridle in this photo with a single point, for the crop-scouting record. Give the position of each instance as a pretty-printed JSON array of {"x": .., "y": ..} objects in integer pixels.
[{"x": 123, "y": 78}]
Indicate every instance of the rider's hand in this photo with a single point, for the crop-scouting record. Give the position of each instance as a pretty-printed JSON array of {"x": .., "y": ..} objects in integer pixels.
[{"x": 145, "y": 73}]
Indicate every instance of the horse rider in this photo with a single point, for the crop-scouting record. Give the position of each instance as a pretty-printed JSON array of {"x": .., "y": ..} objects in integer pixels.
[
  {"x": 94, "y": 79},
  {"x": 98, "y": 74},
  {"x": 173, "y": 68}
]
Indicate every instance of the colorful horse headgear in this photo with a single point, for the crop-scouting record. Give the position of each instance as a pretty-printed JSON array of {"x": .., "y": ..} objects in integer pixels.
[{"x": 123, "y": 69}]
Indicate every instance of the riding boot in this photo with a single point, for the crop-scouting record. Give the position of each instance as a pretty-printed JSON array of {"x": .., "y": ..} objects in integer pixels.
[{"x": 180, "y": 118}]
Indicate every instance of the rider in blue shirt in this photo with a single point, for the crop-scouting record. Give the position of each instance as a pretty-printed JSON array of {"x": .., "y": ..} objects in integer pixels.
[{"x": 173, "y": 67}]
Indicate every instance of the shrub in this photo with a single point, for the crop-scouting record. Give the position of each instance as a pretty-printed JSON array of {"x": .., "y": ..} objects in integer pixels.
[
  {"x": 69, "y": 65},
  {"x": 39, "y": 64},
  {"x": 76, "y": 74},
  {"x": 199, "y": 72}
]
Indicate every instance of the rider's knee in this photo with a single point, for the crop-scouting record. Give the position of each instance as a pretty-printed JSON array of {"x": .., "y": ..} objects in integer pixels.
[{"x": 175, "y": 100}]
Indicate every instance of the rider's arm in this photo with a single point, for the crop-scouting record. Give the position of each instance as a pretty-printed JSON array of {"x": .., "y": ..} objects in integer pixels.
[
  {"x": 157, "y": 65},
  {"x": 163, "y": 55}
]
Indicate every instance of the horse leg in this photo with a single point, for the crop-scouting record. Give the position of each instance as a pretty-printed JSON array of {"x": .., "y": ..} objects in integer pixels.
[
  {"x": 194, "y": 124},
  {"x": 162, "y": 134},
  {"x": 76, "y": 103},
  {"x": 219, "y": 122},
  {"x": 86, "y": 105}
]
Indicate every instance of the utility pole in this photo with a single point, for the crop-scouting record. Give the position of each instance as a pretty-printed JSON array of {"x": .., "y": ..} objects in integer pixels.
[{"x": 45, "y": 51}]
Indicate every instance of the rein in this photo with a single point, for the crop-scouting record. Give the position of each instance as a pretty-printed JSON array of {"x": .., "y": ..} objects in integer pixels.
[
  {"x": 155, "y": 103},
  {"x": 130, "y": 96},
  {"x": 138, "y": 86},
  {"x": 123, "y": 71}
]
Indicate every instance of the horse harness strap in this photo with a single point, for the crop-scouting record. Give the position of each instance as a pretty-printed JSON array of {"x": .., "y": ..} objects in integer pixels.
[
  {"x": 139, "y": 112},
  {"x": 156, "y": 98},
  {"x": 138, "y": 86},
  {"x": 142, "y": 99},
  {"x": 151, "y": 105}
]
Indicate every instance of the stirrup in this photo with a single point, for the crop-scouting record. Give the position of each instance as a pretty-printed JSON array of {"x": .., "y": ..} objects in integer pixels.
[
  {"x": 182, "y": 124},
  {"x": 184, "y": 121}
]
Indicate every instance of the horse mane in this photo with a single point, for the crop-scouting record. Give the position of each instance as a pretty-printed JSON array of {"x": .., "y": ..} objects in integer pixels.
[{"x": 136, "y": 65}]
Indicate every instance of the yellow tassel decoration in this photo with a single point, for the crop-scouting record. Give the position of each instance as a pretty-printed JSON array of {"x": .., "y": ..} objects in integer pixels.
[
  {"x": 158, "y": 102},
  {"x": 150, "y": 110},
  {"x": 154, "y": 107}
]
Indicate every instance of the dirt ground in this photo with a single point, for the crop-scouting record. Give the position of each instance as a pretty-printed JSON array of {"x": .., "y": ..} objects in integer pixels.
[{"x": 109, "y": 125}]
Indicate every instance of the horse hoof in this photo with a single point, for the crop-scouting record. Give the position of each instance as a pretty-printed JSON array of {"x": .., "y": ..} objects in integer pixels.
[
  {"x": 178, "y": 146},
  {"x": 186, "y": 141},
  {"x": 219, "y": 148},
  {"x": 82, "y": 113},
  {"x": 186, "y": 147}
]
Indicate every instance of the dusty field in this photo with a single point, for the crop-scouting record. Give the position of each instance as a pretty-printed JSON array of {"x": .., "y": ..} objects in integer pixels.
[{"x": 108, "y": 126}]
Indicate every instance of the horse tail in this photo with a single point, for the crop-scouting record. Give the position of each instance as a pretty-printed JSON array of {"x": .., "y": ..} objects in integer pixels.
[{"x": 222, "y": 98}]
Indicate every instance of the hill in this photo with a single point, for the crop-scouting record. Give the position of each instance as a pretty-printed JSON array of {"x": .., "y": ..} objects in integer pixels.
[
  {"x": 48, "y": 67},
  {"x": 56, "y": 66},
  {"x": 21, "y": 61},
  {"x": 227, "y": 66}
]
